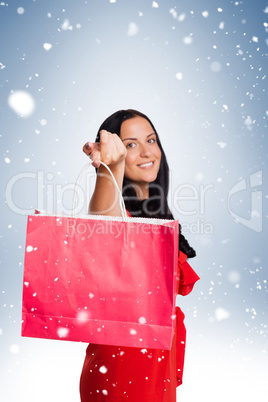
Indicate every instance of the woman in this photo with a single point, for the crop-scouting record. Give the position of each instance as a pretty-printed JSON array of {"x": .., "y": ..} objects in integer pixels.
[{"x": 128, "y": 143}]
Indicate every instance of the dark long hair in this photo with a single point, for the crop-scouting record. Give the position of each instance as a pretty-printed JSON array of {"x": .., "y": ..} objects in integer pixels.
[{"x": 156, "y": 206}]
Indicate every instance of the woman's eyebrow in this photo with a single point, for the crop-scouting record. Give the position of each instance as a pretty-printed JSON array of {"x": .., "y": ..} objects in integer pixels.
[{"x": 135, "y": 139}]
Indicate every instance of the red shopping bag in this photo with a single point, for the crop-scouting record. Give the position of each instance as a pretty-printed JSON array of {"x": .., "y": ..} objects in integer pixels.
[{"x": 100, "y": 279}]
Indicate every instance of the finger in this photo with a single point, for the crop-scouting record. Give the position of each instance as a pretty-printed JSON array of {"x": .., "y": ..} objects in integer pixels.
[
  {"x": 89, "y": 147},
  {"x": 104, "y": 136},
  {"x": 106, "y": 146},
  {"x": 95, "y": 157},
  {"x": 120, "y": 147}
]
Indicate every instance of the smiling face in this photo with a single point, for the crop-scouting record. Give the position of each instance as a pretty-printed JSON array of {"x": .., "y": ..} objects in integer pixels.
[{"x": 143, "y": 158}]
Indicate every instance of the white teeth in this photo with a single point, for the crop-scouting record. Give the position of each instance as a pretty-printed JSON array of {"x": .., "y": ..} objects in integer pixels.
[{"x": 146, "y": 164}]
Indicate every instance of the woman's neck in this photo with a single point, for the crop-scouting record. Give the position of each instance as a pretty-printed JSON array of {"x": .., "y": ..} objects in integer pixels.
[{"x": 142, "y": 190}]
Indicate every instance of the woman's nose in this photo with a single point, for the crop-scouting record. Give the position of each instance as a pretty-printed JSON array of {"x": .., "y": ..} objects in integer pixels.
[{"x": 145, "y": 150}]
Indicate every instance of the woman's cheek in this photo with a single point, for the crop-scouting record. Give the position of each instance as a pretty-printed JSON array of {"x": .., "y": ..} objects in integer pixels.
[{"x": 130, "y": 158}]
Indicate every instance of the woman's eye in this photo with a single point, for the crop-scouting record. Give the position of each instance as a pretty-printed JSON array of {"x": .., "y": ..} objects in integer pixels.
[
  {"x": 131, "y": 145},
  {"x": 151, "y": 140}
]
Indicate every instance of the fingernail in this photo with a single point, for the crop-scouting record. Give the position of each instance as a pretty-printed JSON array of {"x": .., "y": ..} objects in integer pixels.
[{"x": 87, "y": 146}]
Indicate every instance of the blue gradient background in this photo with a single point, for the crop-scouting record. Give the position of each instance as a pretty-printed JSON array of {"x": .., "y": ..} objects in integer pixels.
[{"x": 92, "y": 71}]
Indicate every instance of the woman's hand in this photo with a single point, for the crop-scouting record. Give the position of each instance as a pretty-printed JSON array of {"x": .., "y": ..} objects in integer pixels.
[{"x": 110, "y": 150}]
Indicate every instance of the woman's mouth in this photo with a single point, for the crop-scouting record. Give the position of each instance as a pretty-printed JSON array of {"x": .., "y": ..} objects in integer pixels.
[{"x": 146, "y": 165}]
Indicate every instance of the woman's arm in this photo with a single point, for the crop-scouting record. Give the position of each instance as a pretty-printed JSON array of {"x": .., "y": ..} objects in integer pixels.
[{"x": 112, "y": 152}]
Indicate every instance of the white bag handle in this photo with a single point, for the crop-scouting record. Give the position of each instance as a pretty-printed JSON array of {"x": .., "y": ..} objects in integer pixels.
[{"x": 79, "y": 179}]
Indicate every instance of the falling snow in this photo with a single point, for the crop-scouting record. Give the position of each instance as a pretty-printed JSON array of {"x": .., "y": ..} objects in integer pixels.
[
  {"x": 187, "y": 40},
  {"x": 62, "y": 332},
  {"x": 198, "y": 70},
  {"x": 205, "y": 14},
  {"x": 20, "y": 10},
  {"x": 133, "y": 29},
  {"x": 47, "y": 46},
  {"x": 222, "y": 144},
  {"x": 179, "y": 76},
  {"x": 234, "y": 276},
  {"x": 66, "y": 26},
  {"x": 22, "y": 103},
  {"x": 142, "y": 320},
  {"x": 103, "y": 369},
  {"x": 43, "y": 122},
  {"x": 82, "y": 316},
  {"x": 14, "y": 349},
  {"x": 222, "y": 314},
  {"x": 215, "y": 66},
  {"x": 181, "y": 17}
]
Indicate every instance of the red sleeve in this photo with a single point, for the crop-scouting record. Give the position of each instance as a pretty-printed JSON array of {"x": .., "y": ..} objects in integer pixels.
[{"x": 186, "y": 276}]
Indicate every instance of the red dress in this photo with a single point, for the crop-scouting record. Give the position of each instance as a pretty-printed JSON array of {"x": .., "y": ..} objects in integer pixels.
[{"x": 113, "y": 374}]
